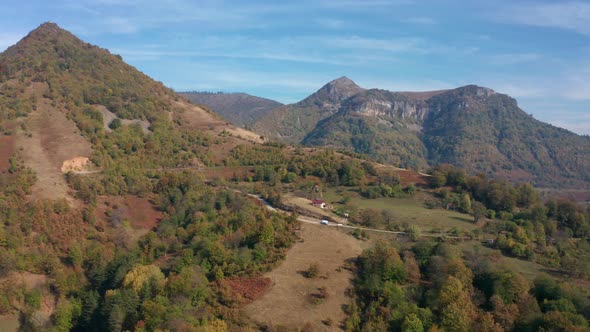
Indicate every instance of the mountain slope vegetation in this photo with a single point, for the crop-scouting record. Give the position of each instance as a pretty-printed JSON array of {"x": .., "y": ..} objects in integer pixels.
[
  {"x": 471, "y": 127},
  {"x": 105, "y": 269},
  {"x": 238, "y": 108},
  {"x": 290, "y": 123},
  {"x": 155, "y": 230}
]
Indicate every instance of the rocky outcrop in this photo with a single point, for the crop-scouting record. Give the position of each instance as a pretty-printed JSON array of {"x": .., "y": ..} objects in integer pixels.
[
  {"x": 471, "y": 126},
  {"x": 387, "y": 105}
]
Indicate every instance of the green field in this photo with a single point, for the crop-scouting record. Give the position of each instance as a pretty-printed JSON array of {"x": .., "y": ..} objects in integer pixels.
[
  {"x": 409, "y": 210},
  {"x": 530, "y": 270}
]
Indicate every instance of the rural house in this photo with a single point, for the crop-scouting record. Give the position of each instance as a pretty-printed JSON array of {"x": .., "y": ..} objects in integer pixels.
[{"x": 319, "y": 203}]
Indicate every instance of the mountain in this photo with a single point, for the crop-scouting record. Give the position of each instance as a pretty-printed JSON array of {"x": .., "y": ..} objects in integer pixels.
[
  {"x": 290, "y": 123},
  {"x": 103, "y": 190},
  {"x": 471, "y": 127},
  {"x": 238, "y": 108},
  {"x": 59, "y": 96}
]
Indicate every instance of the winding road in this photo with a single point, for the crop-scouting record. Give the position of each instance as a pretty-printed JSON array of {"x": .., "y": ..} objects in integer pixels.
[
  {"x": 305, "y": 219},
  {"x": 316, "y": 222}
]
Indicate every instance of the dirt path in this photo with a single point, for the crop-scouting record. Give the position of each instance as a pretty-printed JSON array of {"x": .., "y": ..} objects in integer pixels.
[
  {"x": 53, "y": 140},
  {"x": 288, "y": 303}
]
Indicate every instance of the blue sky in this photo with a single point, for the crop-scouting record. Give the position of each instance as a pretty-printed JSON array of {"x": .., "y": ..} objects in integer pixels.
[{"x": 535, "y": 51}]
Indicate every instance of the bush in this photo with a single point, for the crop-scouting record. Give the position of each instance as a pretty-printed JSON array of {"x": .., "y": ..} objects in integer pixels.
[
  {"x": 414, "y": 232},
  {"x": 116, "y": 123},
  {"x": 312, "y": 271},
  {"x": 33, "y": 299}
]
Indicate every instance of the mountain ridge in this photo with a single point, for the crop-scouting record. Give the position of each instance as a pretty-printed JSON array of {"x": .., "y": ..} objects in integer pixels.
[
  {"x": 238, "y": 108},
  {"x": 290, "y": 123},
  {"x": 470, "y": 126}
]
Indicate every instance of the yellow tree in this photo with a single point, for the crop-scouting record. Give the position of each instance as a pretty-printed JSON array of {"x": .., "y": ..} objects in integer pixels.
[
  {"x": 455, "y": 306},
  {"x": 140, "y": 274}
]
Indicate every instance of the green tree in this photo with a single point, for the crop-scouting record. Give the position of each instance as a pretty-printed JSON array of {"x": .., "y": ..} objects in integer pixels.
[
  {"x": 412, "y": 323},
  {"x": 64, "y": 314},
  {"x": 116, "y": 123},
  {"x": 478, "y": 211},
  {"x": 465, "y": 203}
]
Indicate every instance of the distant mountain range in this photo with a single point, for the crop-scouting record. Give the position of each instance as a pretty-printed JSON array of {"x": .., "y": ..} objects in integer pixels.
[
  {"x": 239, "y": 108},
  {"x": 472, "y": 127}
]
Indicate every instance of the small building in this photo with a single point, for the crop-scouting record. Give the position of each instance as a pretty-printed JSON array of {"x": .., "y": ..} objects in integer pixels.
[{"x": 319, "y": 203}]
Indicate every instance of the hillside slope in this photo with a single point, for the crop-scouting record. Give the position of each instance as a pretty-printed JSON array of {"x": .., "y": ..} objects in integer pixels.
[
  {"x": 55, "y": 90},
  {"x": 240, "y": 109},
  {"x": 470, "y": 127},
  {"x": 487, "y": 132},
  {"x": 290, "y": 123}
]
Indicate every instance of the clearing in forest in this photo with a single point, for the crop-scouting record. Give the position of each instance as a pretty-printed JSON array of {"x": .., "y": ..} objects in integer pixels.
[
  {"x": 294, "y": 300},
  {"x": 49, "y": 140}
]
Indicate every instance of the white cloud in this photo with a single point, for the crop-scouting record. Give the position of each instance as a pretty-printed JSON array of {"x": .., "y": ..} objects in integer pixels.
[
  {"x": 333, "y": 50},
  {"x": 364, "y": 4},
  {"x": 121, "y": 25},
  {"x": 518, "y": 90},
  {"x": 574, "y": 121},
  {"x": 260, "y": 54},
  {"x": 207, "y": 76},
  {"x": 577, "y": 82},
  {"x": 420, "y": 20},
  {"x": 330, "y": 23},
  {"x": 404, "y": 85},
  {"x": 581, "y": 128},
  {"x": 574, "y": 16},
  {"x": 362, "y": 43},
  {"x": 514, "y": 58}
]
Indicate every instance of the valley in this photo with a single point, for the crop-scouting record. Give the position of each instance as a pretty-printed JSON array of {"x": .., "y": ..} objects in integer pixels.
[{"x": 126, "y": 207}]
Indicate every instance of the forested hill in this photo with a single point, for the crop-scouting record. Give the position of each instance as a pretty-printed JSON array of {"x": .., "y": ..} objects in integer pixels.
[
  {"x": 238, "y": 108},
  {"x": 138, "y": 242},
  {"x": 290, "y": 123},
  {"x": 81, "y": 73},
  {"x": 470, "y": 127}
]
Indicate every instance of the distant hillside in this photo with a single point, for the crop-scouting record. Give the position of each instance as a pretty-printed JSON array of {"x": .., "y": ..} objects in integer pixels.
[
  {"x": 238, "y": 108},
  {"x": 290, "y": 123},
  {"x": 471, "y": 127}
]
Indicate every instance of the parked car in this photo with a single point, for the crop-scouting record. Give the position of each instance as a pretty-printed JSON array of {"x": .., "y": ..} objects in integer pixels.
[{"x": 324, "y": 222}]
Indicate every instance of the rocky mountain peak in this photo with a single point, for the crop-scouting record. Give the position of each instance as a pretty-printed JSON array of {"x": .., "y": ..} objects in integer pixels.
[
  {"x": 46, "y": 30},
  {"x": 333, "y": 93},
  {"x": 342, "y": 82},
  {"x": 44, "y": 39},
  {"x": 48, "y": 27},
  {"x": 474, "y": 90},
  {"x": 341, "y": 88}
]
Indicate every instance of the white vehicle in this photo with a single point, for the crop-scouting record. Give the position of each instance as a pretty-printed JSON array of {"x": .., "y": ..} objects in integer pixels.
[
  {"x": 324, "y": 222},
  {"x": 339, "y": 225}
]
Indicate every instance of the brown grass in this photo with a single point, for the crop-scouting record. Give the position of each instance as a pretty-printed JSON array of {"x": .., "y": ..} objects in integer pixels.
[
  {"x": 243, "y": 289},
  {"x": 139, "y": 212},
  {"x": 287, "y": 302},
  {"x": 54, "y": 139},
  {"x": 7, "y": 145}
]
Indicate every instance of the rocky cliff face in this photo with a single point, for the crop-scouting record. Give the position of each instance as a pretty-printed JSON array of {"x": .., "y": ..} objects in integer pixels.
[
  {"x": 290, "y": 123},
  {"x": 387, "y": 105},
  {"x": 472, "y": 127}
]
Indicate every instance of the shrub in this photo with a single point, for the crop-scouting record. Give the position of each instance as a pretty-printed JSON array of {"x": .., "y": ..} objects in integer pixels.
[{"x": 312, "y": 271}]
